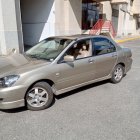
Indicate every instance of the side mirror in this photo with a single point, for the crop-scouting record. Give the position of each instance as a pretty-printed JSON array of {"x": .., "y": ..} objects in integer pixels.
[{"x": 69, "y": 58}]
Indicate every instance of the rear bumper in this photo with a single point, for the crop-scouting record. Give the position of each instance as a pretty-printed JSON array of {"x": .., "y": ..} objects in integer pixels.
[
  {"x": 128, "y": 64},
  {"x": 12, "y": 97}
]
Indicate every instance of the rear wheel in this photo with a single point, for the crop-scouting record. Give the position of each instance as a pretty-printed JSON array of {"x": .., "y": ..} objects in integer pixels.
[
  {"x": 117, "y": 74},
  {"x": 39, "y": 97}
]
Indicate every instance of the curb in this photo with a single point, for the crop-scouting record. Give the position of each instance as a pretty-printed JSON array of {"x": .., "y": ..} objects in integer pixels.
[{"x": 127, "y": 39}]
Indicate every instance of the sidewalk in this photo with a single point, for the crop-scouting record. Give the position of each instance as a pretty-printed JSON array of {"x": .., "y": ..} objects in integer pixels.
[{"x": 126, "y": 38}]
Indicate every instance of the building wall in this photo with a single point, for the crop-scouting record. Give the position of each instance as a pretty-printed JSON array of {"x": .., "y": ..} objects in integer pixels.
[
  {"x": 136, "y": 6},
  {"x": 0, "y": 47},
  {"x": 38, "y": 19},
  {"x": 43, "y": 18},
  {"x": 75, "y": 17},
  {"x": 68, "y": 17},
  {"x": 115, "y": 16},
  {"x": 121, "y": 23},
  {"x": 9, "y": 28},
  {"x": 136, "y": 11},
  {"x": 60, "y": 17},
  {"x": 107, "y": 10},
  {"x": 127, "y": 22}
]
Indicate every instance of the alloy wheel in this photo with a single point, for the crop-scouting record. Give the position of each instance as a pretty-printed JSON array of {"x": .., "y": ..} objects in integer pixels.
[
  {"x": 37, "y": 97},
  {"x": 118, "y": 74}
]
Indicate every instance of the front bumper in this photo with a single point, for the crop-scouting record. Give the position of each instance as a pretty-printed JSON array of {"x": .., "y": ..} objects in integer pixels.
[
  {"x": 12, "y": 97},
  {"x": 12, "y": 105}
]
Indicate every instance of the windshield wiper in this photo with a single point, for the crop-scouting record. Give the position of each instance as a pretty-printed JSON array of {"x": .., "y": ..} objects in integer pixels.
[
  {"x": 37, "y": 56},
  {"x": 34, "y": 55},
  {"x": 44, "y": 58}
]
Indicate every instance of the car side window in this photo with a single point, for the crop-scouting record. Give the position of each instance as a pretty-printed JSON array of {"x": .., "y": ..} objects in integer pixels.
[
  {"x": 102, "y": 46},
  {"x": 81, "y": 49}
]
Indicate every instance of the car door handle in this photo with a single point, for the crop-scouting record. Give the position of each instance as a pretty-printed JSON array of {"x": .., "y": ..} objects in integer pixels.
[{"x": 91, "y": 61}]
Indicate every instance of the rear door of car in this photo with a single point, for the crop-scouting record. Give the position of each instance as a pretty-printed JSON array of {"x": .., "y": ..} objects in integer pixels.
[{"x": 105, "y": 56}]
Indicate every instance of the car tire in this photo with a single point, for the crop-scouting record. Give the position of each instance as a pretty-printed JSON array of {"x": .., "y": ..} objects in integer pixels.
[
  {"x": 117, "y": 74},
  {"x": 39, "y": 97}
]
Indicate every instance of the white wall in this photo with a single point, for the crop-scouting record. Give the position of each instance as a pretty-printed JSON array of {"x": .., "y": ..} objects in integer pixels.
[
  {"x": 132, "y": 26},
  {"x": 38, "y": 17},
  {"x": 107, "y": 9},
  {"x": 43, "y": 18},
  {"x": 120, "y": 23},
  {"x": 136, "y": 6},
  {"x": 115, "y": 17},
  {"x": 75, "y": 16},
  {"x": 60, "y": 17},
  {"x": 126, "y": 23},
  {"x": 68, "y": 17},
  {"x": 10, "y": 27}
]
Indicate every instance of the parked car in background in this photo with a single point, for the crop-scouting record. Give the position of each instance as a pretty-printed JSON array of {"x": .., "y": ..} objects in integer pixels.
[{"x": 57, "y": 65}]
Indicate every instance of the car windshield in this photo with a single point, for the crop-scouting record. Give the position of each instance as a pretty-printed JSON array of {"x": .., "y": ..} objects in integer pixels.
[{"x": 48, "y": 49}]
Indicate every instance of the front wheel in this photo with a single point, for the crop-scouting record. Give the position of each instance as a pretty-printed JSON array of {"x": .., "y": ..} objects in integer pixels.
[
  {"x": 117, "y": 74},
  {"x": 39, "y": 97}
]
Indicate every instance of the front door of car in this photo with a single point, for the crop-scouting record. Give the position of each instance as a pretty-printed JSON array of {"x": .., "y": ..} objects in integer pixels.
[
  {"x": 105, "y": 56},
  {"x": 79, "y": 71}
]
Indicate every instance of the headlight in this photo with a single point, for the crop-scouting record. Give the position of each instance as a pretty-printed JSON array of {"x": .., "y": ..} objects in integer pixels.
[{"x": 8, "y": 80}]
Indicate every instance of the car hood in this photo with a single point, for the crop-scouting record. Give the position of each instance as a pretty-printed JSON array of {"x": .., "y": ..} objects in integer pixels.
[{"x": 18, "y": 63}]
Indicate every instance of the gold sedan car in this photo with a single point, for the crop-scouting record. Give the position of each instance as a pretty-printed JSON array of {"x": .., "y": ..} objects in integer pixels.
[{"x": 57, "y": 65}]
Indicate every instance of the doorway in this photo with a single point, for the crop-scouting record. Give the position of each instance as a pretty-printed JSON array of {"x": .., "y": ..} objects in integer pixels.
[
  {"x": 37, "y": 20},
  {"x": 90, "y": 14}
]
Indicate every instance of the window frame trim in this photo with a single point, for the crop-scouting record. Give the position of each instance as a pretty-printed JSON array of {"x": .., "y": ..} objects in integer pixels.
[
  {"x": 89, "y": 38},
  {"x": 111, "y": 42}
]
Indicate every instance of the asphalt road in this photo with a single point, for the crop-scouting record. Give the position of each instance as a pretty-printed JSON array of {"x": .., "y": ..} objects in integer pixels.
[{"x": 101, "y": 111}]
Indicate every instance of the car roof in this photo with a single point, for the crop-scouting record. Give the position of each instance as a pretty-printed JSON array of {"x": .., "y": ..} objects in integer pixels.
[{"x": 79, "y": 36}]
